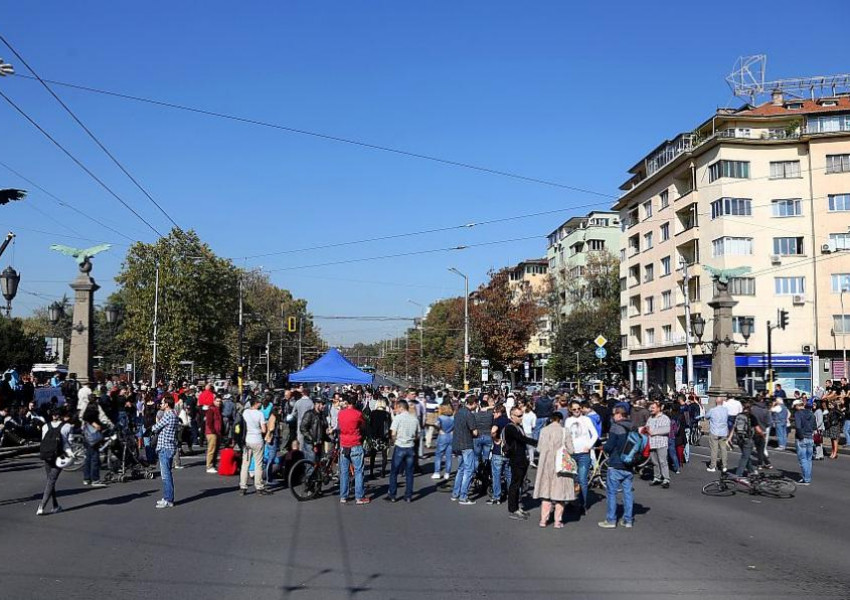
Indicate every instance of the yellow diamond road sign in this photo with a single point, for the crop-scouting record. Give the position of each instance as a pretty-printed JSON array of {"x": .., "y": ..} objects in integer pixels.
[{"x": 600, "y": 341}]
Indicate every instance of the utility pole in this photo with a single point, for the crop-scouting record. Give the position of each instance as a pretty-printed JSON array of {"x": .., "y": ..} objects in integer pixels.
[
  {"x": 241, "y": 340},
  {"x": 688, "y": 334},
  {"x": 268, "y": 356},
  {"x": 281, "y": 339},
  {"x": 300, "y": 338},
  {"x": 155, "y": 324},
  {"x": 465, "y": 329}
]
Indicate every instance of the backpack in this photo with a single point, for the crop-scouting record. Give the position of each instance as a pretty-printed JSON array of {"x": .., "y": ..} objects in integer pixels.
[
  {"x": 632, "y": 452},
  {"x": 743, "y": 427},
  {"x": 51, "y": 444}
]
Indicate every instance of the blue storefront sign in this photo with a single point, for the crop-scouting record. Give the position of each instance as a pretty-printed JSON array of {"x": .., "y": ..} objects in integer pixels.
[{"x": 753, "y": 361}]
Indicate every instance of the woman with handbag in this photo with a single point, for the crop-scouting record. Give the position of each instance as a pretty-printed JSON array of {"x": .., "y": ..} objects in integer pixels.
[
  {"x": 556, "y": 470},
  {"x": 819, "y": 429}
]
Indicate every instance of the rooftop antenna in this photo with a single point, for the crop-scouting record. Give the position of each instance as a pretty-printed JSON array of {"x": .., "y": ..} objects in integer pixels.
[{"x": 747, "y": 80}]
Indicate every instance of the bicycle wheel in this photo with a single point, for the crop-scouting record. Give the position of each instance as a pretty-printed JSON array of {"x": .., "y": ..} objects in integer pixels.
[
  {"x": 79, "y": 450},
  {"x": 718, "y": 488},
  {"x": 305, "y": 480},
  {"x": 696, "y": 435},
  {"x": 776, "y": 488}
]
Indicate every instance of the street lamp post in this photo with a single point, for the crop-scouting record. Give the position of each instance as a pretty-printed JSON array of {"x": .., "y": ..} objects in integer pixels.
[
  {"x": 843, "y": 331},
  {"x": 9, "y": 281},
  {"x": 155, "y": 325},
  {"x": 465, "y": 328},
  {"x": 421, "y": 347}
]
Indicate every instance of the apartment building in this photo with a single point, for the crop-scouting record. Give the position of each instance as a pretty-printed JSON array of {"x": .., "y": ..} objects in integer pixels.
[
  {"x": 532, "y": 276},
  {"x": 569, "y": 247},
  {"x": 764, "y": 186}
]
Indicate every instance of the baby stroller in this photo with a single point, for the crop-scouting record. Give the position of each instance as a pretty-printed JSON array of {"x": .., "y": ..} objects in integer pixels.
[{"x": 122, "y": 458}]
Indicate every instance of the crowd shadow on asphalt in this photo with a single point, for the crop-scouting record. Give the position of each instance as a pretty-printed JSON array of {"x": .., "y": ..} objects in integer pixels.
[
  {"x": 35, "y": 497},
  {"x": 207, "y": 493},
  {"x": 12, "y": 467},
  {"x": 113, "y": 501}
]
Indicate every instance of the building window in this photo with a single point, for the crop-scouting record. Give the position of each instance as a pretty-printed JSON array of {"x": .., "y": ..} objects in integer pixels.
[
  {"x": 839, "y": 202},
  {"x": 649, "y": 305},
  {"x": 595, "y": 245},
  {"x": 742, "y": 286},
  {"x": 624, "y": 341},
  {"x": 841, "y": 324},
  {"x": 733, "y": 207},
  {"x": 737, "y": 169},
  {"x": 623, "y": 284},
  {"x": 649, "y": 337},
  {"x": 624, "y": 312},
  {"x": 840, "y": 281},
  {"x": 649, "y": 273},
  {"x": 647, "y": 209},
  {"x": 791, "y": 207},
  {"x": 647, "y": 240},
  {"x": 665, "y": 266},
  {"x": 837, "y": 163},
  {"x": 664, "y": 198},
  {"x": 738, "y": 321},
  {"x": 732, "y": 246},
  {"x": 665, "y": 232},
  {"x": 840, "y": 241},
  {"x": 634, "y": 333},
  {"x": 667, "y": 332},
  {"x": 599, "y": 222},
  {"x": 788, "y": 246},
  {"x": 666, "y": 300},
  {"x": 784, "y": 169},
  {"x": 634, "y": 244},
  {"x": 828, "y": 124},
  {"x": 786, "y": 286},
  {"x": 622, "y": 255}
]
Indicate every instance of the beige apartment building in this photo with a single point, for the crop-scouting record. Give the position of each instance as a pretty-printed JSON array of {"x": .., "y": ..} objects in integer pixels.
[
  {"x": 569, "y": 246},
  {"x": 532, "y": 276},
  {"x": 766, "y": 187}
]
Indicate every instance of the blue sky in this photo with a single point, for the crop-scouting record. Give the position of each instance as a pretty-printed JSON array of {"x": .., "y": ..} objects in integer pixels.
[{"x": 568, "y": 92}]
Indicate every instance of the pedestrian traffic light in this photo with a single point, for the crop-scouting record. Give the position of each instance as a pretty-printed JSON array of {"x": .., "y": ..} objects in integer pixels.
[
  {"x": 783, "y": 319},
  {"x": 291, "y": 324}
]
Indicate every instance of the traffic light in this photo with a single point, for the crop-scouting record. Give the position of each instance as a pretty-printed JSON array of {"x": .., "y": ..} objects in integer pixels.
[
  {"x": 783, "y": 319},
  {"x": 291, "y": 324}
]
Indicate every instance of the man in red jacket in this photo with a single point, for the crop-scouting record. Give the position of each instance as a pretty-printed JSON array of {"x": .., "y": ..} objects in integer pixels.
[
  {"x": 206, "y": 398},
  {"x": 351, "y": 425},
  {"x": 212, "y": 428}
]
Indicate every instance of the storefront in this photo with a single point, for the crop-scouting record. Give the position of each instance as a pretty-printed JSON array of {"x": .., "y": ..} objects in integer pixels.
[{"x": 793, "y": 371}]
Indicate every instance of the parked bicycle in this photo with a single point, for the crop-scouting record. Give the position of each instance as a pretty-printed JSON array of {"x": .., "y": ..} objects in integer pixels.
[
  {"x": 308, "y": 478},
  {"x": 773, "y": 485}
]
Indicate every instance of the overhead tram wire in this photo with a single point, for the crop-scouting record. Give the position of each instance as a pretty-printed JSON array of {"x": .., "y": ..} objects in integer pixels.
[
  {"x": 79, "y": 164},
  {"x": 88, "y": 131},
  {"x": 66, "y": 204},
  {"x": 329, "y": 137}
]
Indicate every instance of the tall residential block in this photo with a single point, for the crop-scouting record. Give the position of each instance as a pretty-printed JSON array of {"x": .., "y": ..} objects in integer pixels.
[{"x": 531, "y": 276}]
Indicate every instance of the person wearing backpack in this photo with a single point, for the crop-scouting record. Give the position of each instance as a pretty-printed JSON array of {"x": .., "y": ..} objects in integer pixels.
[
  {"x": 744, "y": 430},
  {"x": 55, "y": 451},
  {"x": 620, "y": 476}
]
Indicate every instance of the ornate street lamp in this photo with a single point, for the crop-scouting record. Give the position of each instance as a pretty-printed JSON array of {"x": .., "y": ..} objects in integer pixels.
[
  {"x": 55, "y": 312},
  {"x": 698, "y": 326},
  {"x": 9, "y": 281},
  {"x": 112, "y": 313}
]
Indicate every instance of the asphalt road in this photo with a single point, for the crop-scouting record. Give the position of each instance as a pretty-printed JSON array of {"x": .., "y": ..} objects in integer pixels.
[{"x": 216, "y": 544}]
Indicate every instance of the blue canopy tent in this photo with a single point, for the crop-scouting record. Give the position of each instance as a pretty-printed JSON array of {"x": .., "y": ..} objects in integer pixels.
[{"x": 333, "y": 367}]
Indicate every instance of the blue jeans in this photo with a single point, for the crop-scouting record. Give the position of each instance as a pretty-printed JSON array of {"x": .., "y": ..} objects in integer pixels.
[
  {"x": 847, "y": 432},
  {"x": 482, "y": 445},
  {"x": 782, "y": 435},
  {"x": 805, "y": 449},
  {"x": 673, "y": 455},
  {"x": 745, "y": 463},
  {"x": 91, "y": 465},
  {"x": 538, "y": 425},
  {"x": 443, "y": 457},
  {"x": 498, "y": 465},
  {"x": 165, "y": 459},
  {"x": 617, "y": 480},
  {"x": 583, "y": 461},
  {"x": 402, "y": 455},
  {"x": 463, "y": 477},
  {"x": 344, "y": 467}
]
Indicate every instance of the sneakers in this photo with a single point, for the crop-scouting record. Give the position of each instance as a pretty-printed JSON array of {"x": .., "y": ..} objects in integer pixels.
[
  {"x": 518, "y": 516},
  {"x": 39, "y": 511},
  {"x": 86, "y": 482},
  {"x": 164, "y": 504},
  {"x": 212, "y": 471},
  {"x": 711, "y": 469},
  {"x": 665, "y": 484},
  {"x": 56, "y": 510},
  {"x": 390, "y": 499},
  {"x": 454, "y": 498},
  {"x": 343, "y": 500},
  {"x": 264, "y": 492},
  {"x": 623, "y": 523},
  {"x": 362, "y": 501},
  {"x": 446, "y": 476},
  {"x": 607, "y": 525},
  {"x": 435, "y": 476},
  {"x": 179, "y": 467},
  {"x": 656, "y": 482},
  {"x": 466, "y": 502},
  {"x": 801, "y": 482},
  {"x": 494, "y": 501},
  {"x": 243, "y": 491},
  {"x": 98, "y": 484}
]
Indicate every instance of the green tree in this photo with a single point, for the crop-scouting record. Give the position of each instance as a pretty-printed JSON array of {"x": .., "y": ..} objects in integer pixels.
[{"x": 18, "y": 348}]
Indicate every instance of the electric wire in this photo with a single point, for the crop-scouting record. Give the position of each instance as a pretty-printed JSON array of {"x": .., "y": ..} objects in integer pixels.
[
  {"x": 88, "y": 131},
  {"x": 79, "y": 163}
]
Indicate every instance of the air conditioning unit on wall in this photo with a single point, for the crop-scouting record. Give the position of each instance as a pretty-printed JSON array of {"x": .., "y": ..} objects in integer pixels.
[
  {"x": 775, "y": 259},
  {"x": 808, "y": 349},
  {"x": 798, "y": 299}
]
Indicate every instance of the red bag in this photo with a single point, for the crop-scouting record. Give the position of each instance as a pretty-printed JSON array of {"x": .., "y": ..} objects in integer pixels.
[
  {"x": 646, "y": 448},
  {"x": 228, "y": 461},
  {"x": 817, "y": 438}
]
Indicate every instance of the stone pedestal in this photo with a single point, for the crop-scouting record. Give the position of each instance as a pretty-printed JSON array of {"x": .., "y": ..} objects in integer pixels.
[
  {"x": 82, "y": 336},
  {"x": 724, "y": 382}
]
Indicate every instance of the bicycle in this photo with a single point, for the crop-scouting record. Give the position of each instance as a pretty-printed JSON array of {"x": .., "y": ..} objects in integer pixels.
[
  {"x": 695, "y": 432},
  {"x": 307, "y": 477},
  {"x": 771, "y": 485},
  {"x": 78, "y": 448},
  {"x": 598, "y": 475}
]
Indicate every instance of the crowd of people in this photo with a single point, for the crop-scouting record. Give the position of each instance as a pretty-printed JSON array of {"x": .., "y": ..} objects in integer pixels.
[{"x": 496, "y": 436}]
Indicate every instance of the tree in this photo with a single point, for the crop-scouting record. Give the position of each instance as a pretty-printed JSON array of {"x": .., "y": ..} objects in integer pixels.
[
  {"x": 503, "y": 319},
  {"x": 198, "y": 297},
  {"x": 18, "y": 348},
  {"x": 594, "y": 301}
]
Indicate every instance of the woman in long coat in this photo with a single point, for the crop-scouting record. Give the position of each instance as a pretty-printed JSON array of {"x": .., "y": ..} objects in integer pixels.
[{"x": 553, "y": 489}]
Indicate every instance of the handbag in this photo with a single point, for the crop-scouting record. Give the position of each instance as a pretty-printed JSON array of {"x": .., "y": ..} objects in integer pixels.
[
  {"x": 817, "y": 438},
  {"x": 565, "y": 464},
  {"x": 92, "y": 435}
]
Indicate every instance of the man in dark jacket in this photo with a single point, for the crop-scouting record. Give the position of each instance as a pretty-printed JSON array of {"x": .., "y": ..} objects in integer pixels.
[
  {"x": 516, "y": 449},
  {"x": 462, "y": 443},
  {"x": 762, "y": 415},
  {"x": 620, "y": 475},
  {"x": 313, "y": 430}
]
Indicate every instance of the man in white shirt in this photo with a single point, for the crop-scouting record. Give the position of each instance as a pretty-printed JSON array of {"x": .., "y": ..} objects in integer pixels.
[
  {"x": 584, "y": 436},
  {"x": 733, "y": 408},
  {"x": 255, "y": 431}
]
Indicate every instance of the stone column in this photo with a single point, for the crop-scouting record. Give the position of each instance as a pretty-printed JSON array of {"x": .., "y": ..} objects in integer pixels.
[
  {"x": 82, "y": 336},
  {"x": 724, "y": 381}
]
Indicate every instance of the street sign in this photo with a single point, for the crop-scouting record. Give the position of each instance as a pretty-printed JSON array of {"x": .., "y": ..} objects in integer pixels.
[
  {"x": 601, "y": 352},
  {"x": 466, "y": 358},
  {"x": 640, "y": 366},
  {"x": 485, "y": 375},
  {"x": 128, "y": 368},
  {"x": 600, "y": 341},
  {"x": 680, "y": 362},
  {"x": 485, "y": 362}
]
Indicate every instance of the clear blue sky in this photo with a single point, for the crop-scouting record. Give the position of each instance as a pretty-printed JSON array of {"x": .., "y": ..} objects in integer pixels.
[{"x": 565, "y": 91}]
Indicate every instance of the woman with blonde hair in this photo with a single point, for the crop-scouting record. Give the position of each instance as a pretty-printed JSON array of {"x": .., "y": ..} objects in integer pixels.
[
  {"x": 552, "y": 488},
  {"x": 445, "y": 427}
]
